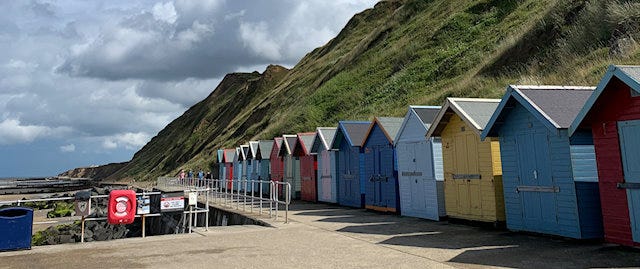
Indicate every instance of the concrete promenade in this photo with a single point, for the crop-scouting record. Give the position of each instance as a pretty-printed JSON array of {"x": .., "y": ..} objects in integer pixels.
[{"x": 324, "y": 236}]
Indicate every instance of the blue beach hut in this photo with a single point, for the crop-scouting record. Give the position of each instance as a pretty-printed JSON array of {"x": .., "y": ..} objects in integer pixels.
[
  {"x": 380, "y": 171},
  {"x": 420, "y": 173},
  {"x": 246, "y": 168},
  {"x": 350, "y": 162},
  {"x": 550, "y": 178},
  {"x": 327, "y": 184},
  {"x": 264, "y": 163},
  {"x": 237, "y": 169},
  {"x": 221, "y": 166},
  {"x": 252, "y": 165},
  {"x": 291, "y": 164}
]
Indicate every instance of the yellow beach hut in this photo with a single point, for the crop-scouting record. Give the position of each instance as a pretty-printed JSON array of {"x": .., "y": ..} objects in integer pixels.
[{"x": 472, "y": 168}]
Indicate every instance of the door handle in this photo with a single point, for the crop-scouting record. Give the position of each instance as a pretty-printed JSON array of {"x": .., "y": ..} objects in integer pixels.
[{"x": 535, "y": 174}]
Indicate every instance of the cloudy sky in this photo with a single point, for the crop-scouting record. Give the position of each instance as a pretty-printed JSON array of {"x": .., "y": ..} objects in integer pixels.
[{"x": 90, "y": 82}]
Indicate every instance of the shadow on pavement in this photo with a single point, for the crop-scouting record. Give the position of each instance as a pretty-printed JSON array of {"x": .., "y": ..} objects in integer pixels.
[{"x": 552, "y": 255}]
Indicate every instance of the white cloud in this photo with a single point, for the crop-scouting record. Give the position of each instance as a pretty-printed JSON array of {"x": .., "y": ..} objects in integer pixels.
[
  {"x": 109, "y": 144},
  {"x": 165, "y": 12},
  {"x": 257, "y": 38},
  {"x": 68, "y": 148},
  {"x": 126, "y": 140},
  {"x": 13, "y": 132}
]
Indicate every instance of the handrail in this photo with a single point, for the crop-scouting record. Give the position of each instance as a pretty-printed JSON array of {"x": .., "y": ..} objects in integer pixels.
[{"x": 241, "y": 194}]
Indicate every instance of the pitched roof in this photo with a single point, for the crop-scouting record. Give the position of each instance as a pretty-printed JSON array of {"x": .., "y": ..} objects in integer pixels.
[
  {"x": 239, "y": 154},
  {"x": 245, "y": 152},
  {"x": 630, "y": 75},
  {"x": 390, "y": 127},
  {"x": 253, "y": 149},
  {"x": 220, "y": 156},
  {"x": 289, "y": 142},
  {"x": 303, "y": 144},
  {"x": 473, "y": 111},
  {"x": 264, "y": 149},
  {"x": 277, "y": 144},
  {"x": 425, "y": 114},
  {"x": 352, "y": 131},
  {"x": 229, "y": 155},
  {"x": 323, "y": 139},
  {"x": 555, "y": 106}
]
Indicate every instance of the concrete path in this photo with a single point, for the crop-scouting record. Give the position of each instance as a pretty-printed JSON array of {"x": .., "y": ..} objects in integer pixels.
[{"x": 322, "y": 236}]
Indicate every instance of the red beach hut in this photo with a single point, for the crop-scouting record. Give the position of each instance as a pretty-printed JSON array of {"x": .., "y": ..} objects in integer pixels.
[
  {"x": 277, "y": 163},
  {"x": 229, "y": 155},
  {"x": 613, "y": 115},
  {"x": 308, "y": 166}
]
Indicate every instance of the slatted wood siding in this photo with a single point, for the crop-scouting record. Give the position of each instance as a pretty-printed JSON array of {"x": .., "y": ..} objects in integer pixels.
[
  {"x": 464, "y": 154},
  {"x": 348, "y": 167},
  {"x": 276, "y": 163},
  {"x": 327, "y": 188},
  {"x": 615, "y": 104},
  {"x": 381, "y": 182},
  {"x": 419, "y": 160},
  {"x": 573, "y": 211}
]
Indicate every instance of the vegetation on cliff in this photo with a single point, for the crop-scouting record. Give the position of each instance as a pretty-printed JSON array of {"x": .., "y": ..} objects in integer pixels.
[{"x": 395, "y": 54}]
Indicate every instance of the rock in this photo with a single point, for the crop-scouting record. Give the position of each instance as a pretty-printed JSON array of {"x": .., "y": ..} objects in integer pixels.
[{"x": 66, "y": 238}]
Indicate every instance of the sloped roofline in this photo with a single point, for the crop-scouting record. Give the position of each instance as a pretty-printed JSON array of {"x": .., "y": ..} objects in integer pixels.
[
  {"x": 323, "y": 140},
  {"x": 286, "y": 149},
  {"x": 612, "y": 71},
  {"x": 406, "y": 120},
  {"x": 253, "y": 149},
  {"x": 345, "y": 133},
  {"x": 305, "y": 150},
  {"x": 514, "y": 91},
  {"x": 451, "y": 104},
  {"x": 373, "y": 123}
]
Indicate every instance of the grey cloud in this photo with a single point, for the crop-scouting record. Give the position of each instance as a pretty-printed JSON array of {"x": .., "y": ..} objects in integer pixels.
[{"x": 209, "y": 41}]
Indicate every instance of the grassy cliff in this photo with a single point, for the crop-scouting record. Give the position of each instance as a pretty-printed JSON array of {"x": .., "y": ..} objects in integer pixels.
[{"x": 400, "y": 53}]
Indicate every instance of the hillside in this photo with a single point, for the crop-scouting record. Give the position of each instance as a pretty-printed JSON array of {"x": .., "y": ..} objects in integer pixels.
[{"x": 400, "y": 53}]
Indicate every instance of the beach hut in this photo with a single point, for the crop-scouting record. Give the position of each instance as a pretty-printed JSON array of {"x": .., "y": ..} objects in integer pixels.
[
  {"x": 308, "y": 166},
  {"x": 220, "y": 163},
  {"x": 253, "y": 165},
  {"x": 420, "y": 175},
  {"x": 276, "y": 165},
  {"x": 326, "y": 158},
  {"x": 264, "y": 158},
  {"x": 350, "y": 162},
  {"x": 612, "y": 114},
  {"x": 380, "y": 171},
  {"x": 472, "y": 169},
  {"x": 220, "y": 167},
  {"x": 245, "y": 185},
  {"x": 229, "y": 158},
  {"x": 291, "y": 164},
  {"x": 238, "y": 169},
  {"x": 549, "y": 177}
]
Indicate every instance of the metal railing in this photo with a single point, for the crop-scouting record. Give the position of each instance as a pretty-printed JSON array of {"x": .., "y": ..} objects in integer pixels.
[
  {"x": 242, "y": 194},
  {"x": 192, "y": 212}
]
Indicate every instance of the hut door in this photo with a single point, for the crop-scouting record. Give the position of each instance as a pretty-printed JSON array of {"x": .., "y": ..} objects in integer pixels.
[
  {"x": 467, "y": 171},
  {"x": 629, "y": 133},
  {"x": 418, "y": 163},
  {"x": 538, "y": 207},
  {"x": 325, "y": 175}
]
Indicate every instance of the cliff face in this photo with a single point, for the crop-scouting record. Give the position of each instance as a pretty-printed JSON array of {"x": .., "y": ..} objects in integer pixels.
[
  {"x": 96, "y": 172},
  {"x": 395, "y": 54}
]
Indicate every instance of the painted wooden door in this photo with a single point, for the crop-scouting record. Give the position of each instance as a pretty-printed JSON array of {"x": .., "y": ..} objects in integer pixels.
[
  {"x": 324, "y": 166},
  {"x": 349, "y": 187},
  {"x": 629, "y": 133},
  {"x": 467, "y": 174},
  {"x": 423, "y": 178},
  {"x": 536, "y": 184},
  {"x": 307, "y": 176},
  {"x": 416, "y": 179}
]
